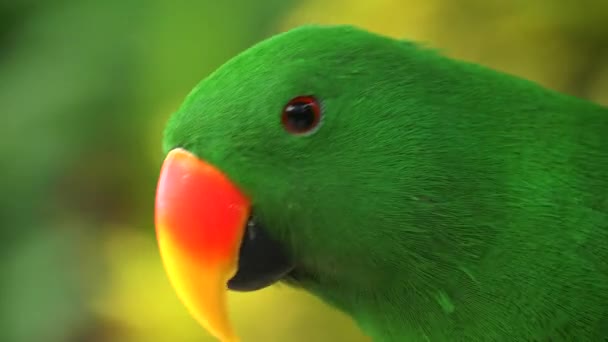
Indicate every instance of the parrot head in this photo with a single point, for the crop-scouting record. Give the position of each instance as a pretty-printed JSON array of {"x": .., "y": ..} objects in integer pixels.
[{"x": 279, "y": 164}]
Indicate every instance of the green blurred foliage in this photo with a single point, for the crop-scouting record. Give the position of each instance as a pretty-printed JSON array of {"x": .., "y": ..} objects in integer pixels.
[{"x": 85, "y": 89}]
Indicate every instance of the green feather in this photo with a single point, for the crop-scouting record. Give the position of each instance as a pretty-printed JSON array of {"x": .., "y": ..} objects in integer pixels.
[{"x": 439, "y": 200}]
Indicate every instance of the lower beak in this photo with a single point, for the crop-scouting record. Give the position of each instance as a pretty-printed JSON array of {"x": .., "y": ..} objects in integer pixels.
[{"x": 200, "y": 222}]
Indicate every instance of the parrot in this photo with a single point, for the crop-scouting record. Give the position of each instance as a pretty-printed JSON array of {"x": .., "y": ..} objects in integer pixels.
[{"x": 426, "y": 197}]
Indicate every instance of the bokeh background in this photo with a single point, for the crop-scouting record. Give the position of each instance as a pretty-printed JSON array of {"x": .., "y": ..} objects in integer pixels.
[{"x": 85, "y": 89}]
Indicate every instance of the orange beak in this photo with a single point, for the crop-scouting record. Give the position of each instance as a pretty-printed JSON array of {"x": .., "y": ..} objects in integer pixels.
[{"x": 200, "y": 221}]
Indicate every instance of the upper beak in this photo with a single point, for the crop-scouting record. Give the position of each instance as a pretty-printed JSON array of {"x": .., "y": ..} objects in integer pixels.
[
  {"x": 209, "y": 242},
  {"x": 200, "y": 220}
]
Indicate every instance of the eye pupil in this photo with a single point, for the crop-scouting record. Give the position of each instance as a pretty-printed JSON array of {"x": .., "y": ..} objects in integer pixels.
[{"x": 301, "y": 115}]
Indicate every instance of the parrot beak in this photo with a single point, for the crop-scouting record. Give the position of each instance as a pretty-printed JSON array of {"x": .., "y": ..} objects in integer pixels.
[
  {"x": 200, "y": 222},
  {"x": 209, "y": 241}
]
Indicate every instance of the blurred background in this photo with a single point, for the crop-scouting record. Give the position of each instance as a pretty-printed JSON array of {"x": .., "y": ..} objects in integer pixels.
[{"x": 85, "y": 90}]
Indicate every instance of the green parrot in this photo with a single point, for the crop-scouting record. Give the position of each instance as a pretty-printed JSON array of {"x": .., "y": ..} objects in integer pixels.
[{"x": 430, "y": 199}]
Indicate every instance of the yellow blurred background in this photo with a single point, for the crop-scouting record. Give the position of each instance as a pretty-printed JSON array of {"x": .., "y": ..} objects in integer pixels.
[{"x": 85, "y": 90}]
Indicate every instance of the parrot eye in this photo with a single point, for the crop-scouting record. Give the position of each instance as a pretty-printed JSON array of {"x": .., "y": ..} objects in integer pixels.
[{"x": 301, "y": 115}]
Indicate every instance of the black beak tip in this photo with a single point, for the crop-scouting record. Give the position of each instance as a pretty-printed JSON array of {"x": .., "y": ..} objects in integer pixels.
[{"x": 262, "y": 260}]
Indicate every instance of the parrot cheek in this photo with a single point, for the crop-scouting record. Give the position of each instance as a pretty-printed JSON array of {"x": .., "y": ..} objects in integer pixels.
[{"x": 262, "y": 260}]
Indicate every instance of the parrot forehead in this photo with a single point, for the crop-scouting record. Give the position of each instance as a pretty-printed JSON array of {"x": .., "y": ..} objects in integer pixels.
[
  {"x": 308, "y": 48},
  {"x": 312, "y": 40},
  {"x": 303, "y": 60},
  {"x": 325, "y": 61},
  {"x": 294, "y": 61}
]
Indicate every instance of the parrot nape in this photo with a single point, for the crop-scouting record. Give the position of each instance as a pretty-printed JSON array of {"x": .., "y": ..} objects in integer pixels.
[{"x": 430, "y": 199}]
